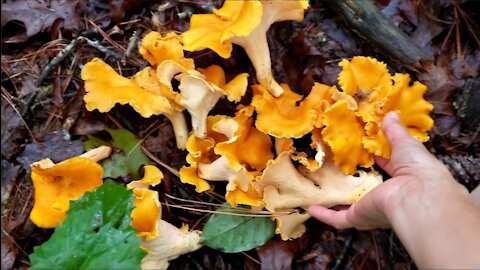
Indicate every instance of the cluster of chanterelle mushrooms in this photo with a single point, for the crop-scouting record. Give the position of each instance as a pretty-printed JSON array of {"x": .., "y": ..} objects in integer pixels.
[{"x": 344, "y": 126}]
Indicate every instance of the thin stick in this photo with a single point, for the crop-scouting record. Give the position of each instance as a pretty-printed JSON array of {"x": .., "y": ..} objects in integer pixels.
[
  {"x": 218, "y": 205},
  {"x": 132, "y": 42},
  {"x": 106, "y": 37},
  {"x": 154, "y": 158},
  {"x": 251, "y": 258},
  {"x": 57, "y": 60},
  {"x": 220, "y": 212},
  {"x": 21, "y": 117},
  {"x": 68, "y": 50},
  {"x": 95, "y": 44}
]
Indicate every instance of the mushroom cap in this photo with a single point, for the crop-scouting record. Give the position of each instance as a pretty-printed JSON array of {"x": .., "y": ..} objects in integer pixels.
[
  {"x": 55, "y": 185},
  {"x": 247, "y": 146},
  {"x": 282, "y": 117},
  {"x": 414, "y": 112},
  {"x": 214, "y": 31},
  {"x": 344, "y": 132},
  {"x": 291, "y": 226},
  {"x": 156, "y": 48},
  {"x": 234, "y": 89},
  {"x": 189, "y": 175},
  {"x": 147, "y": 206},
  {"x": 105, "y": 87}
]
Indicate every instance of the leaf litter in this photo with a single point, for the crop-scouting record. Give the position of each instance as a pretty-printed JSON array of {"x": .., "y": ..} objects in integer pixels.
[{"x": 319, "y": 42}]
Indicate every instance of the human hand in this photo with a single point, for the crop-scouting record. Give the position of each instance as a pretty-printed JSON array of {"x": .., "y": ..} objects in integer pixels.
[{"x": 416, "y": 176}]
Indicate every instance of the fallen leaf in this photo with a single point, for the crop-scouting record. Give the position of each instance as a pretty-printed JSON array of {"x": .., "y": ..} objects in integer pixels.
[
  {"x": 278, "y": 254},
  {"x": 13, "y": 131},
  {"x": 162, "y": 144},
  {"x": 39, "y": 16},
  {"x": 9, "y": 175},
  {"x": 118, "y": 8},
  {"x": 54, "y": 146},
  {"x": 9, "y": 252}
]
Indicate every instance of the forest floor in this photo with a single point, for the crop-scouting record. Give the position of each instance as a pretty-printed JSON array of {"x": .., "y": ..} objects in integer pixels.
[{"x": 43, "y": 113}]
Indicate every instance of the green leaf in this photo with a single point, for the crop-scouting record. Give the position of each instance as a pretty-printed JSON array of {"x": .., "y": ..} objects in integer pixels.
[
  {"x": 93, "y": 142},
  {"x": 96, "y": 234},
  {"x": 232, "y": 234},
  {"x": 121, "y": 164}
]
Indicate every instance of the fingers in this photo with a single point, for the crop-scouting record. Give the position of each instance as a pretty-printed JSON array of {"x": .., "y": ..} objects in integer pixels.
[
  {"x": 408, "y": 153},
  {"x": 384, "y": 164},
  {"x": 337, "y": 219},
  {"x": 397, "y": 135}
]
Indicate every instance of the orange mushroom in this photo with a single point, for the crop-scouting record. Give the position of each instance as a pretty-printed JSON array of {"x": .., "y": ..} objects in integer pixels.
[
  {"x": 147, "y": 206},
  {"x": 244, "y": 23},
  {"x": 55, "y": 185}
]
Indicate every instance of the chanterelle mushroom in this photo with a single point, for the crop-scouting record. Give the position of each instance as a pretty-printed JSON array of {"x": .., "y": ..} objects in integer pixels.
[
  {"x": 149, "y": 92},
  {"x": 147, "y": 206},
  {"x": 55, "y": 185},
  {"x": 244, "y": 23},
  {"x": 199, "y": 96},
  {"x": 170, "y": 243},
  {"x": 376, "y": 93},
  {"x": 283, "y": 186},
  {"x": 237, "y": 155}
]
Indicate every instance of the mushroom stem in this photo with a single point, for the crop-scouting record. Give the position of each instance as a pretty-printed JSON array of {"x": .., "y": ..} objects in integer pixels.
[
  {"x": 256, "y": 47},
  {"x": 180, "y": 130},
  {"x": 170, "y": 243},
  {"x": 97, "y": 154}
]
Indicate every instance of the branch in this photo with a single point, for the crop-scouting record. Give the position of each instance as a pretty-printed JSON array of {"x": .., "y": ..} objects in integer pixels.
[{"x": 366, "y": 20}]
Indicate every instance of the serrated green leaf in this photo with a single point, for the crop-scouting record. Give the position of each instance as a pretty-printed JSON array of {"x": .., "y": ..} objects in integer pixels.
[
  {"x": 121, "y": 164},
  {"x": 96, "y": 234},
  {"x": 230, "y": 234}
]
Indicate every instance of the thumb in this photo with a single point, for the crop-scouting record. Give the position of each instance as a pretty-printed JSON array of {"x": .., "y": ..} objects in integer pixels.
[{"x": 406, "y": 150}]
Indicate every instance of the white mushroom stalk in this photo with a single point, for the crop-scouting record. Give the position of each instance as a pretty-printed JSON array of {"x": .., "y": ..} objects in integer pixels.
[
  {"x": 256, "y": 45},
  {"x": 198, "y": 96},
  {"x": 170, "y": 243},
  {"x": 283, "y": 186}
]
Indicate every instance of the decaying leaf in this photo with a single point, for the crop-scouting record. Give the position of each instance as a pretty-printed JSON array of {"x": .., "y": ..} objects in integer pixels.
[{"x": 39, "y": 16}]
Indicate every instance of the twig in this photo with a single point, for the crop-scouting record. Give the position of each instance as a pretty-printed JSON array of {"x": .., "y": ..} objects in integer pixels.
[
  {"x": 347, "y": 245},
  {"x": 229, "y": 213},
  {"x": 365, "y": 19},
  {"x": 251, "y": 258},
  {"x": 68, "y": 50},
  {"x": 57, "y": 60},
  {"x": 154, "y": 158},
  {"x": 95, "y": 44},
  {"x": 106, "y": 37},
  {"x": 21, "y": 117},
  {"x": 234, "y": 209},
  {"x": 132, "y": 43}
]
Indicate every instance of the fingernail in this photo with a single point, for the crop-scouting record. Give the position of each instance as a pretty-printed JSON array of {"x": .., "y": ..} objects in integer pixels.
[{"x": 393, "y": 116}]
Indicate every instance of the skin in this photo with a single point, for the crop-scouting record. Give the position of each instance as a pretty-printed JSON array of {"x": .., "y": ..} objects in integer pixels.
[{"x": 432, "y": 214}]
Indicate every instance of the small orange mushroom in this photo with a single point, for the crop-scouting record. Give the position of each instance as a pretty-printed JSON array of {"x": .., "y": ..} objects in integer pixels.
[
  {"x": 55, "y": 185},
  {"x": 156, "y": 49},
  {"x": 147, "y": 206}
]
